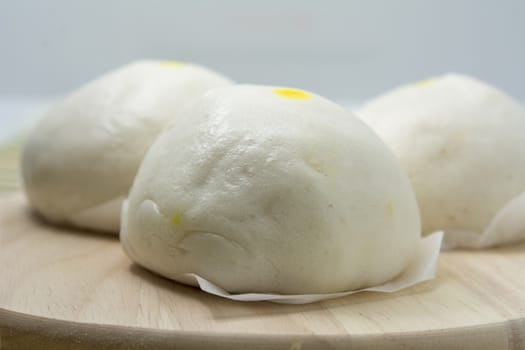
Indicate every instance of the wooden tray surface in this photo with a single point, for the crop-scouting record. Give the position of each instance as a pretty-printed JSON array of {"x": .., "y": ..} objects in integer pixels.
[{"x": 67, "y": 289}]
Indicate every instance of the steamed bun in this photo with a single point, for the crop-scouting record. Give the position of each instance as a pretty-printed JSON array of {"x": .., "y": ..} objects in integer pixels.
[
  {"x": 80, "y": 160},
  {"x": 264, "y": 189},
  {"x": 462, "y": 144}
]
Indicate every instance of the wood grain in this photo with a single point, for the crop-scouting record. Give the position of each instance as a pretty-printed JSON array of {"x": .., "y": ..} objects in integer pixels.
[{"x": 63, "y": 289}]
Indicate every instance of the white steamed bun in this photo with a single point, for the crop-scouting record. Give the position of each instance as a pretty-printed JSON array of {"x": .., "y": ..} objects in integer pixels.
[
  {"x": 263, "y": 189},
  {"x": 80, "y": 160},
  {"x": 462, "y": 143}
]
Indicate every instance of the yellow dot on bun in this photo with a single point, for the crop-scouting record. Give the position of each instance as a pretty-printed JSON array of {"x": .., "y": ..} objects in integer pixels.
[
  {"x": 177, "y": 219},
  {"x": 390, "y": 209},
  {"x": 423, "y": 83},
  {"x": 172, "y": 63},
  {"x": 293, "y": 94}
]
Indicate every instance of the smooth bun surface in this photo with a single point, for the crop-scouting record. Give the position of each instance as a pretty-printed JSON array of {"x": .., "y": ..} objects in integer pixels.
[
  {"x": 264, "y": 189},
  {"x": 462, "y": 144},
  {"x": 80, "y": 160}
]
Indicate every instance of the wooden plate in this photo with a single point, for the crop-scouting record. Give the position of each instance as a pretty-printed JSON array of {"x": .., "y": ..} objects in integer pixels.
[{"x": 63, "y": 289}]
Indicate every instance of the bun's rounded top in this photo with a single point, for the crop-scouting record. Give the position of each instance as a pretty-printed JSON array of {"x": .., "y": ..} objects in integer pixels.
[{"x": 461, "y": 142}]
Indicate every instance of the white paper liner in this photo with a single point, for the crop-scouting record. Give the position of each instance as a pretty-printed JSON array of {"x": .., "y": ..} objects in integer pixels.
[
  {"x": 507, "y": 226},
  {"x": 421, "y": 268}
]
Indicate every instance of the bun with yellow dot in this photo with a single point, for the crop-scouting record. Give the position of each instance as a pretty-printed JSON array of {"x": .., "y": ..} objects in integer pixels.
[
  {"x": 462, "y": 143},
  {"x": 81, "y": 158},
  {"x": 264, "y": 189}
]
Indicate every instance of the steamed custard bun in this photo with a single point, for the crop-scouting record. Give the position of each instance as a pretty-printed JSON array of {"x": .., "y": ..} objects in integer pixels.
[
  {"x": 462, "y": 144},
  {"x": 271, "y": 190},
  {"x": 80, "y": 160}
]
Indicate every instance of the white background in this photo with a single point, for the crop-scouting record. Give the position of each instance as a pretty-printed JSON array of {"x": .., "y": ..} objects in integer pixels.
[{"x": 346, "y": 50}]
